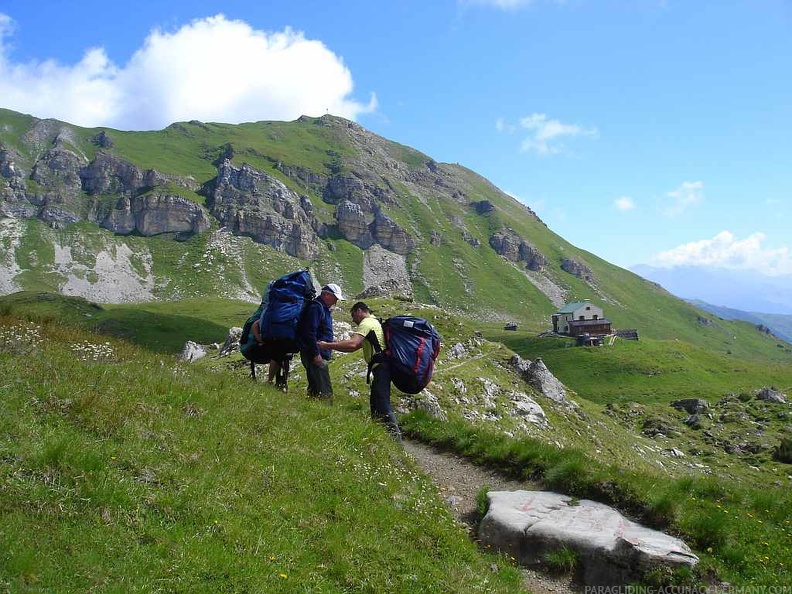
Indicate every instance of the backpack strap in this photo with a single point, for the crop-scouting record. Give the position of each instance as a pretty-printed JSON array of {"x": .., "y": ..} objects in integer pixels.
[{"x": 379, "y": 354}]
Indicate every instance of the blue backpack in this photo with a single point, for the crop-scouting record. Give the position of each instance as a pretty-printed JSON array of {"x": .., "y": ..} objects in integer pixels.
[
  {"x": 411, "y": 348},
  {"x": 286, "y": 298},
  {"x": 280, "y": 308}
]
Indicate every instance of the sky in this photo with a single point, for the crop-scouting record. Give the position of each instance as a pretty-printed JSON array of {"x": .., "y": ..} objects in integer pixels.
[{"x": 644, "y": 131}]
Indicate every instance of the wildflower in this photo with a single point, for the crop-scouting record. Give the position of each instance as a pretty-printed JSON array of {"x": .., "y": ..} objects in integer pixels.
[{"x": 282, "y": 576}]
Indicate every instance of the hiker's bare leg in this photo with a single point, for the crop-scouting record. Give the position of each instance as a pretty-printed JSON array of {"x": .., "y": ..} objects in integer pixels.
[{"x": 273, "y": 370}]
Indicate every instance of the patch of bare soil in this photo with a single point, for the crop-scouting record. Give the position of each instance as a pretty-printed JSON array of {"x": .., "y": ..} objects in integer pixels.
[{"x": 459, "y": 482}]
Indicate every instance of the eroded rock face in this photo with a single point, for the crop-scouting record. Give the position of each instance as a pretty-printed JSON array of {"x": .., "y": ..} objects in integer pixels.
[
  {"x": 390, "y": 236},
  {"x": 613, "y": 551},
  {"x": 577, "y": 269},
  {"x": 107, "y": 174},
  {"x": 58, "y": 168},
  {"x": 506, "y": 245},
  {"x": 512, "y": 247},
  {"x": 54, "y": 196},
  {"x": 62, "y": 177},
  {"x": 482, "y": 206},
  {"x": 354, "y": 224},
  {"x": 385, "y": 274},
  {"x": 344, "y": 187},
  {"x": 156, "y": 213},
  {"x": 11, "y": 170},
  {"x": 250, "y": 202}
]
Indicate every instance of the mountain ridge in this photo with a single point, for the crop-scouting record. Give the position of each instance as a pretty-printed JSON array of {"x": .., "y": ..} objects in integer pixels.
[{"x": 202, "y": 209}]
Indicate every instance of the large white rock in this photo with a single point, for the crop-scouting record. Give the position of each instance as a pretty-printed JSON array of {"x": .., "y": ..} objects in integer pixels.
[
  {"x": 192, "y": 351},
  {"x": 612, "y": 550}
]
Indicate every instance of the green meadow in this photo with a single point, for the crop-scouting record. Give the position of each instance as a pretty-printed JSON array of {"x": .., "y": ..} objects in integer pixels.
[{"x": 123, "y": 469}]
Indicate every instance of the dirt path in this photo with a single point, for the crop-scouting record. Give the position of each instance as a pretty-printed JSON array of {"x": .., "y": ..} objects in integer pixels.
[{"x": 458, "y": 482}]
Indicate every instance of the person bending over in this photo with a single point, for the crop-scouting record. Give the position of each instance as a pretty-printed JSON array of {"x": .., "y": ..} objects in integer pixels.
[{"x": 371, "y": 339}]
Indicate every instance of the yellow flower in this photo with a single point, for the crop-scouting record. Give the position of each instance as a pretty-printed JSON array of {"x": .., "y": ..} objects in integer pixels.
[{"x": 282, "y": 576}]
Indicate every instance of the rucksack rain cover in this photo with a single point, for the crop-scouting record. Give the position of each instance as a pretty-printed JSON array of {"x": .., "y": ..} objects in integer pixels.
[
  {"x": 287, "y": 296},
  {"x": 280, "y": 308},
  {"x": 412, "y": 347}
]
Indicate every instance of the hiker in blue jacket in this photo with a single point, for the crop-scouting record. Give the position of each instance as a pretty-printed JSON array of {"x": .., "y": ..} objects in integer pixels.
[{"x": 315, "y": 324}]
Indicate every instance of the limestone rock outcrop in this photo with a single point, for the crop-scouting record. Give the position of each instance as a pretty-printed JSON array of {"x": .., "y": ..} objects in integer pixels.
[
  {"x": 512, "y": 247},
  {"x": 155, "y": 213},
  {"x": 612, "y": 550},
  {"x": 250, "y": 202},
  {"x": 577, "y": 269}
]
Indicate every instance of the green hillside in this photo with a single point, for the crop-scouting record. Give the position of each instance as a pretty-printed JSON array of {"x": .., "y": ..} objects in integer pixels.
[
  {"x": 458, "y": 270},
  {"x": 180, "y": 466},
  {"x": 131, "y": 468}
]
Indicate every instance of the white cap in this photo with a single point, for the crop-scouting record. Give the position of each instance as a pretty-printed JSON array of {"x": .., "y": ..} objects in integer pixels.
[{"x": 335, "y": 290}]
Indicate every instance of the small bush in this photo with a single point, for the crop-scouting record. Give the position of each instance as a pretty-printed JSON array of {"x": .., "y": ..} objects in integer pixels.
[{"x": 783, "y": 451}]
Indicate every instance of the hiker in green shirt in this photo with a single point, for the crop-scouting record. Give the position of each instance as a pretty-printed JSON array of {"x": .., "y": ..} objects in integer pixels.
[{"x": 370, "y": 338}]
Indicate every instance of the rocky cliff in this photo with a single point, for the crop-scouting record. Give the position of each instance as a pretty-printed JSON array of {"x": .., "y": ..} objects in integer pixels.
[{"x": 303, "y": 188}]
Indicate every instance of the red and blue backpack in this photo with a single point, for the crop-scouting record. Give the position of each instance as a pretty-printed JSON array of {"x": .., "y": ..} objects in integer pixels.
[{"x": 411, "y": 347}]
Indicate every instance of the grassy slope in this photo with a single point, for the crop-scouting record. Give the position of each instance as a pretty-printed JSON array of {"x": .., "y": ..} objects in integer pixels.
[
  {"x": 123, "y": 471},
  {"x": 160, "y": 420}
]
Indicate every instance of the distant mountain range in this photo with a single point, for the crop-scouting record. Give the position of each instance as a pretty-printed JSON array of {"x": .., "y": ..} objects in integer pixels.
[
  {"x": 730, "y": 294},
  {"x": 779, "y": 324},
  {"x": 738, "y": 289}
]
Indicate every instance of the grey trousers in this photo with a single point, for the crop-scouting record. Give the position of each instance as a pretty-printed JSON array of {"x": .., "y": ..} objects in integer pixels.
[{"x": 319, "y": 385}]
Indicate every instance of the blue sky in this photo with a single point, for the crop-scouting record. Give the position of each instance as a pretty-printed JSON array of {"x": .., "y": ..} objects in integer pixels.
[{"x": 644, "y": 131}]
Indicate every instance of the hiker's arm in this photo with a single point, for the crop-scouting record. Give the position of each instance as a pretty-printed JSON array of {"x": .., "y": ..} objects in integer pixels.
[
  {"x": 256, "y": 330},
  {"x": 345, "y": 346}
]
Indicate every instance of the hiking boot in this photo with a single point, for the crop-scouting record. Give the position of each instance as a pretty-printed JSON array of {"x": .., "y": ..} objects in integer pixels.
[{"x": 392, "y": 425}]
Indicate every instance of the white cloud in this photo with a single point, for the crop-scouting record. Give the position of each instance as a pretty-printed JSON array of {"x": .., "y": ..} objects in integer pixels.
[
  {"x": 685, "y": 196},
  {"x": 545, "y": 133},
  {"x": 624, "y": 203},
  {"x": 502, "y": 126},
  {"x": 726, "y": 251},
  {"x": 213, "y": 69}
]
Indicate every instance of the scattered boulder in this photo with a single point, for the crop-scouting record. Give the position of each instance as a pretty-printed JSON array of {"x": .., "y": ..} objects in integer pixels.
[
  {"x": 231, "y": 343},
  {"x": 192, "y": 351},
  {"x": 770, "y": 394},
  {"x": 613, "y": 551},
  {"x": 693, "y": 406},
  {"x": 427, "y": 402},
  {"x": 458, "y": 351},
  {"x": 526, "y": 407},
  {"x": 539, "y": 377}
]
